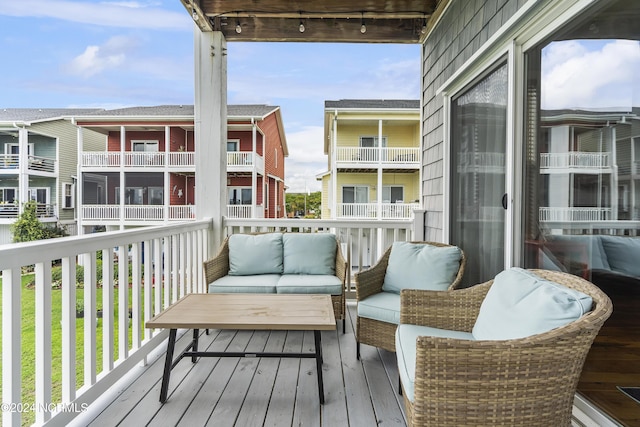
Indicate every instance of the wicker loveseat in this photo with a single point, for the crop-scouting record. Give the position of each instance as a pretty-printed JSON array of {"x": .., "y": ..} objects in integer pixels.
[
  {"x": 403, "y": 265},
  {"x": 508, "y": 352},
  {"x": 309, "y": 263}
]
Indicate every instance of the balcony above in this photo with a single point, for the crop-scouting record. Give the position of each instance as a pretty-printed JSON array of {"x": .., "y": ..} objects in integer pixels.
[
  {"x": 244, "y": 161},
  {"x": 101, "y": 160},
  {"x": 575, "y": 161},
  {"x": 10, "y": 211},
  {"x": 367, "y": 158},
  {"x": 136, "y": 214},
  {"x": 370, "y": 210},
  {"x": 36, "y": 165}
]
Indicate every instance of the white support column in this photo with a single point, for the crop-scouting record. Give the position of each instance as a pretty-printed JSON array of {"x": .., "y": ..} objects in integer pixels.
[
  {"x": 11, "y": 345},
  {"x": 334, "y": 168},
  {"x": 167, "y": 184},
  {"x": 79, "y": 183},
  {"x": 379, "y": 187},
  {"x": 23, "y": 171},
  {"x": 122, "y": 175},
  {"x": 210, "y": 52},
  {"x": 254, "y": 171}
]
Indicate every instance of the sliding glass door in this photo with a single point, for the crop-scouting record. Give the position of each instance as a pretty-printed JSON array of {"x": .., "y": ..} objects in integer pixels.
[{"x": 478, "y": 149}]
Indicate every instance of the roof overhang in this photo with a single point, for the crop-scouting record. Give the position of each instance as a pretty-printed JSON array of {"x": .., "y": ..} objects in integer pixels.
[{"x": 386, "y": 21}]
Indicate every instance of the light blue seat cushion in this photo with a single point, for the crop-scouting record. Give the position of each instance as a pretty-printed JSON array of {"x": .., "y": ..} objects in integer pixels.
[
  {"x": 421, "y": 266},
  {"x": 623, "y": 254},
  {"x": 383, "y": 306},
  {"x": 258, "y": 284},
  {"x": 406, "y": 350},
  {"x": 255, "y": 254},
  {"x": 585, "y": 250},
  {"x": 520, "y": 304},
  {"x": 309, "y": 284},
  {"x": 309, "y": 253}
]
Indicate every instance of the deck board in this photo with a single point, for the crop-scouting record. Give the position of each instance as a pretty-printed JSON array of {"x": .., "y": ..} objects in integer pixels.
[{"x": 265, "y": 391}]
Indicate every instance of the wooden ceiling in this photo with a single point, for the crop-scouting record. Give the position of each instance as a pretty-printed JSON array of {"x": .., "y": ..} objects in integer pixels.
[{"x": 385, "y": 21}]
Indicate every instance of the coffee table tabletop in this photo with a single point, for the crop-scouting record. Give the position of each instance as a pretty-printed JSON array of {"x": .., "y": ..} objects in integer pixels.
[{"x": 248, "y": 311}]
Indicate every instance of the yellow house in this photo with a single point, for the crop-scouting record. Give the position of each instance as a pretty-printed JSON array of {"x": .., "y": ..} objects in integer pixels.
[{"x": 373, "y": 149}]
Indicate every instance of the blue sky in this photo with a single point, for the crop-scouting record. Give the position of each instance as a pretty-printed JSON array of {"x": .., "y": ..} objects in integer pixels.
[{"x": 112, "y": 54}]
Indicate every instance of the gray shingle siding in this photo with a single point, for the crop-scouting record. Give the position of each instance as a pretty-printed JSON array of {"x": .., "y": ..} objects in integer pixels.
[{"x": 462, "y": 30}]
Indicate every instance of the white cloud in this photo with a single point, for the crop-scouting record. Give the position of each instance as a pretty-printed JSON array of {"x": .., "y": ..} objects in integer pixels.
[
  {"x": 126, "y": 14},
  {"x": 96, "y": 59},
  {"x": 306, "y": 159},
  {"x": 590, "y": 74}
]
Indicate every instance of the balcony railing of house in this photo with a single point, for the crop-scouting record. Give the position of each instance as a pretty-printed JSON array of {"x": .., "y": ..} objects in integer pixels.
[
  {"x": 244, "y": 211},
  {"x": 393, "y": 155},
  {"x": 35, "y": 163},
  {"x": 244, "y": 160},
  {"x": 473, "y": 162},
  {"x": 481, "y": 214},
  {"x": 9, "y": 161},
  {"x": 138, "y": 212},
  {"x": 10, "y": 210},
  {"x": 575, "y": 159},
  {"x": 547, "y": 214},
  {"x": 41, "y": 164},
  {"x": 370, "y": 210},
  {"x": 102, "y": 159},
  {"x": 164, "y": 263}
]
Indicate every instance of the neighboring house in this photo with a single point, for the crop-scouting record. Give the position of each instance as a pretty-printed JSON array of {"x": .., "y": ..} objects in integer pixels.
[
  {"x": 595, "y": 158},
  {"x": 374, "y": 159},
  {"x": 38, "y": 152},
  {"x": 147, "y": 174}
]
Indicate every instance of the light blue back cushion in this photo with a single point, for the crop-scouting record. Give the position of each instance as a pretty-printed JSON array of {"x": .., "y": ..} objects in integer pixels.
[
  {"x": 520, "y": 304},
  {"x": 421, "y": 266},
  {"x": 255, "y": 254},
  {"x": 623, "y": 254},
  {"x": 309, "y": 253}
]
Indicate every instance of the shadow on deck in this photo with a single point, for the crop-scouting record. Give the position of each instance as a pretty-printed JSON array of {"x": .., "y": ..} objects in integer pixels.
[{"x": 262, "y": 392}]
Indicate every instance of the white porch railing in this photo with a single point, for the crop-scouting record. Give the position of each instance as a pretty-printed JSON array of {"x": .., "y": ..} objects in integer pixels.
[
  {"x": 393, "y": 155},
  {"x": 244, "y": 211},
  {"x": 370, "y": 210},
  {"x": 244, "y": 161},
  {"x": 41, "y": 164},
  {"x": 138, "y": 212},
  {"x": 164, "y": 262},
  {"x": 106, "y": 159},
  {"x": 9, "y": 161},
  {"x": 547, "y": 214},
  {"x": 575, "y": 159}
]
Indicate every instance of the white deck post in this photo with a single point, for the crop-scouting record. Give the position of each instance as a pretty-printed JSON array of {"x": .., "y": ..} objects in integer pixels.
[{"x": 211, "y": 129}]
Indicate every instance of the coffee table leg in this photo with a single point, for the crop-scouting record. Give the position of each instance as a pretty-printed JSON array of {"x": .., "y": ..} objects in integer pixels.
[
  {"x": 168, "y": 361},
  {"x": 194, "y": 347},
  {"x": 316, "y": 336}
]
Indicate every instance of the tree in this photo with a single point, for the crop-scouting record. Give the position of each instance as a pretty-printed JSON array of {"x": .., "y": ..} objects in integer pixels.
[
  {"x": 296, "y": 205},
  {"x": 28, "y": 227}
]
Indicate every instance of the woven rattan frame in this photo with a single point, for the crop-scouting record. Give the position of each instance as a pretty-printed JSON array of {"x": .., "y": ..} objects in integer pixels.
[
  {"x": 218, "y": 266},
  {"x": 523, "y": 382},
  {"x": 369, "y": 282}
]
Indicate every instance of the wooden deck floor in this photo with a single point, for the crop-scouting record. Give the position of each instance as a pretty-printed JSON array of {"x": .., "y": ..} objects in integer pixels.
[{"x": 268, "y": 391}]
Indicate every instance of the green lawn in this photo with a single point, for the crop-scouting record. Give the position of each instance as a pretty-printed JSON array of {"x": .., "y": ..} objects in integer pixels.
[{"x": 28, "y": 342}]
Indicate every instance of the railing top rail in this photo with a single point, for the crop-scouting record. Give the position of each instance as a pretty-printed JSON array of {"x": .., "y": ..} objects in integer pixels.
[
  {"x": 16, "y": 255},
  {"x": 316, "y": 223}
]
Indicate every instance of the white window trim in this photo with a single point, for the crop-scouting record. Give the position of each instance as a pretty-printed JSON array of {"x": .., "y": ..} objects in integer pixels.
[
  {"x": 145, "y": 142},
  {"x": 368, "y": 188},
  {"x": 235, "y": 141},
  {"x": 72, "y": 189},
  {"x": 375, "y": 138}
]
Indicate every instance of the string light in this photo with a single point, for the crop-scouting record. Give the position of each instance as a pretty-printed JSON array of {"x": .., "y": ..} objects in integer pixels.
[
  {"x": 194, "y": 14},
  {"x": 238, "y": 27},
  {"x": 424, "y": 25},
  {"x": 301, "y": 26},
  {"x": 363, "y": 28}
]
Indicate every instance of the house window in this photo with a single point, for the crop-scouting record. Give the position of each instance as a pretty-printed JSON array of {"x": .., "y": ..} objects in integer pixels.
[
  {"x": 156, "y": 195},
  {"x": 233, "y": 145},
  {"x": 39, "y": 195},
  {"x": 145, "y": 146},
  {"x": 355, "y": 194},
  {"x": 392, "y": 194},
  {"x": 68, "y": 195},
  {"x": 15, "y": 149},
  {"x": 240, "y": 195},
  {"x": 372, "y": 141},
  {"x": 8, "y": 195}
]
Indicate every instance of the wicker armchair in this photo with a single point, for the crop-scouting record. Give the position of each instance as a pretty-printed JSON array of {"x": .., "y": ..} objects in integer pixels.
[
  {"x": 369, "y": 282},
  {"x": 521, "y": 382}
]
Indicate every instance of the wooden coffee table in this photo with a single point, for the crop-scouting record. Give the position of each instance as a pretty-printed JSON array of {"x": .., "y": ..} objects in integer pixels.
[{"x": 244, "y": 311}]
